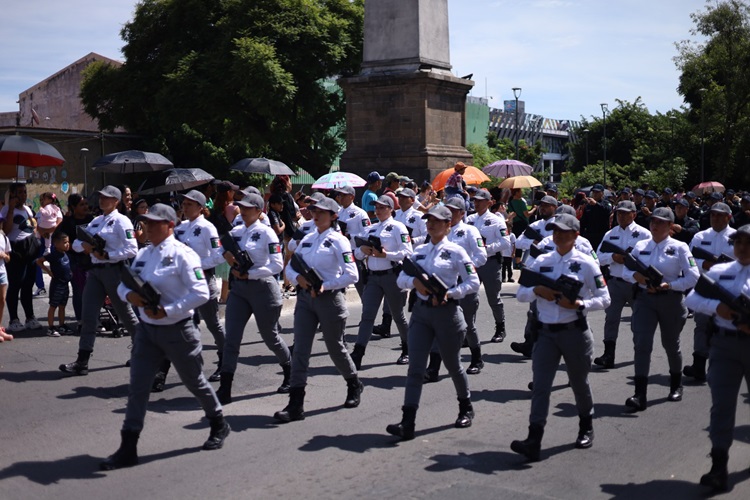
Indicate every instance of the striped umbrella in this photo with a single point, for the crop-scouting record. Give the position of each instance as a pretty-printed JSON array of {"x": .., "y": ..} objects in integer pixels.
[{"x": 339, "y": 179}]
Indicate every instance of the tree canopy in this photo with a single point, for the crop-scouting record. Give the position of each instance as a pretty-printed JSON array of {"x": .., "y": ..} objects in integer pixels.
[{"x": 212, "y": 82}]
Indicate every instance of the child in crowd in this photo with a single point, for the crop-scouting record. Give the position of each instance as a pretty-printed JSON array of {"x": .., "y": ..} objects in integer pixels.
[
  {"x": 59, "y": 271},
  {"x": 507, "y": 267},
  {"x": 275, "y": 206},
  {"x": 48, "y": 217},
  {"x": 4, "y": 257}
]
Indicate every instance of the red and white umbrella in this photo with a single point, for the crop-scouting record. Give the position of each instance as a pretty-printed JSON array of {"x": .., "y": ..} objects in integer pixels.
[{"x": 25, "y": 151}]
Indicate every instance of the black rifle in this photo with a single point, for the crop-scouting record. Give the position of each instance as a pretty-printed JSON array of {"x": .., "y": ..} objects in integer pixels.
[
  {"x": 96, "y": 241},
  {"x": 311, "y": 275},
  {"x": 343, "y": 227},
  {"x": 371, "y": 241},
  {"x": 570, "y": 288},
  {"x": 533, "y": 234},
  {"x": 740, "y": 305},
  {"x": 299, "y": 234},
  {"x": 536, "y": 251},
  {"x": 700, "y": 253},
  {"x": 431, "y": 282},
  {"x": 242, "y": 260},
  {"x": 653, "y": 276},
  {"x": 146, "y": 290}
]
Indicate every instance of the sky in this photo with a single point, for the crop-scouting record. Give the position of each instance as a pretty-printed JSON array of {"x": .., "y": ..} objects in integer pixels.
[{"x": 567, "y": 56}]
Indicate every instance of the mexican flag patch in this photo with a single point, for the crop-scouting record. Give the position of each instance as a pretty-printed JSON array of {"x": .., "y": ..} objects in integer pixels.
[
  {"x": 199, "y": 273},
  {"x": 405, "y": 238},
  {"x": 348, "y": 257},
  {"x": 600, "y": 281},
  {"x": 691, "y": 260},
  {"x": 274, "y": 248},
  {"x": 365, "y": 222},
  {"x": 215, "y": 243},
  {"x": 480, "y": 242},
  {"x": 593, "y": 254},
  {"x": 470, "y": 269},
  {"x": 129, "y": 234}
]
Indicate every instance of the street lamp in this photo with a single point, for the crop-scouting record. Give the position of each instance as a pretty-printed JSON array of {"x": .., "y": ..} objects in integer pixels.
[
  {"x": 586, "y": 134},
  {"x": 85, "y": 181},
  {"x": 702, "y": 92},
  {"x": 516, "y": 94},
  {"x": 604, "y": 114}
]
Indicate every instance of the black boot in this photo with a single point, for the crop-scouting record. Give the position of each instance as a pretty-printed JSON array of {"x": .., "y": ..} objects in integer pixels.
[
  {"x": 384, "y": 328},
  {"x": 476, "y": 361},
  {"x": 80, "y": 366},
  {"x": 161, "y": 376},
  {"x": 357, "y": 354},
  {"x": 433, "y": 368},
  {"x": 216, "y": 376},
  {"x": 126, "y": 455},
  {"x": 224, "y": 392},
  {"x": 219, "y": 431},
  {"x": 405, "y": 429},
  {"x": 607, "y": 360},
  {"x": 354, "y": 388},
  {"x": 675, "y": 386},
  {"x": 585, "y": 437},
  {"x": 284, "y": 387},
  {"x": 465, "y": 413},
  {"x": 639, "y": 401},
  {"x": 295, "y": 410},
  {"x": 717, "y": 477},
  {"x": 404, "y": 358},
  {"x": 697, "y": 370},
  {"x": 532, "y": 445},
  {"x": 499, "y": 333},
  {"x": 523, "y": 348}
]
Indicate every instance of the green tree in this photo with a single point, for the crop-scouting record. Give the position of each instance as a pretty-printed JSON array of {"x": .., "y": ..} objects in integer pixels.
[{"x": 212, "y": 82}]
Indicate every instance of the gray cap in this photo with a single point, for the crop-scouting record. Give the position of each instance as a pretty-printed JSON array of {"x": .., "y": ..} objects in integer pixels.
[
  {"x": 110, "y": 192},
  {"x": 439, "y": 212},
  {"x": 385, "y": 200},
  {"x": 407, "y": 193},
  {"x": 721, "y": 208},
  {"x": 456, "y": 202},
  {"x": 715, "y": 196},
  {"x": 626, "y": 206},
  {"x": 405, "y": 178},
  {"x": 344, "y": 190},
  {"x": 597, "y": 187},
  {"x": 651, "y": 194},
  {"x": 482, "y": 194},
  {"x": 690, "y": 194},
  {"x": 315, "y": 197},
  {"x": 328, "y": 204},
  {"x": 563, "y": 222},
  {"x": 742, "y": 231},
  {"x": 195, "y": 196},
  {"x": 683, "y": 202},
  {"x": 565, "y": 209},
  {"x": 549, "y": 200},
  {"x": 663, "y": 213},
  {"x": 251, "y": 201},
  {"x": 639, "y": 191},
  {"x": 161, "y": 213},
  {"x": 745, "y": 199},
  {"x": 251, "y": 190}
]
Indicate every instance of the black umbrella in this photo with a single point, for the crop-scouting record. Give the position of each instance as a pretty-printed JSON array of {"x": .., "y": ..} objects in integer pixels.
[
  {"x": 22, "y": 150},
  {"x": 262, "y": 166},
  {"x": 175, "y": 179},
  {"x": 129, "y": 162}
]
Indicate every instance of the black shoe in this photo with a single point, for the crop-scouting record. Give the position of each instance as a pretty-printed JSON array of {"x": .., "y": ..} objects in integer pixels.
[
  {"x": 78, "y": 367},
  {"x": 675, "y": 394},
  {"x": 523, "y": 348},
  {"x": 697, "y": 370},
  {"x": 718, "y": 477},
  {"x": 126, "y": 455},
  {"x": 607, "y": 360},
  {"x": 476, "y": 361},
  {"x": 384, "y": 328},
  {"x": 403, "y": 359},
  {"x": 637, "y": 401},
  {"x": 675, "y": 387},
  {"x": 216, "y": 376},
  {"x": 431, "y": 376},
  {"x": 159, "y": 380},
  {"x": 354, "y": 390},
  {"x": 405, "y": 428},
  {"x": 531, "y": 447},
  {"x": 224, "y": 392},
  {"x": 284, "y": 387},
  {"x": 499, "y": 334},
  {"x": 219, "y": 431},
  {"x": 295, "y": 410},
  {"x": 465, "y": 414},
  {"x": 357, "y": 354},
  {"x": 585, "y": 437}
]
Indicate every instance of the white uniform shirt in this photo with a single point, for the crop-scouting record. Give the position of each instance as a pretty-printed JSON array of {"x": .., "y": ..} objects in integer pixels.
[
  {"x": 469, "y": 238},
  {"x": 623, "y": 238},
  {"x": 508, "y": 252},
  {"x": 330, "y": 254},
  {"x": 577, "y": 265},
  {"x": 670, "y": 257},
  {"x": 262, "y": 245},
  {"x": 202, "y": 237},
  {"x": 524, "y": 243},
  {"x": 493, "y": 230},
  {"x": 581, "y": 244},
  {"x": 414, "y": 223},
  {"x": 448, "y": 261},
  {"x": 357, "y": 221},
  {"x": 175, "y": 271},
  {"x": 394, "y": 237},
  {"x": 732, "y": 276},
  {"x": 713, "y": 242},
  {"x": 117, "y": 232}
]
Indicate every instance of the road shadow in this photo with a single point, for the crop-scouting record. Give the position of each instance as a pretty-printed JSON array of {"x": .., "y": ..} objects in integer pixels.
[
  {"x": 506, "y": 395},
  {"x": 659, "y": 489},
  {"x": 32, "y": 376},
  {"x": 113, "y": 392},
  {"x": 238, "y": 423},
  {"x": 489, "y": 462},
  {"x": 503, "y": 358},
  {"x": 355, "y": 443},
  {"x": 390, "y": 382}
]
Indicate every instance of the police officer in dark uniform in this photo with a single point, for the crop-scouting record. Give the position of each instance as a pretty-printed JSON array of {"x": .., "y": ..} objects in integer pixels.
[
  {"x": 595, "y": 218},
  {"x": 166, "y": 330},
  {"x": 684, "y": 226},
  {"x": 643, "y": 217},
  {"x": 729, "y": 355}
]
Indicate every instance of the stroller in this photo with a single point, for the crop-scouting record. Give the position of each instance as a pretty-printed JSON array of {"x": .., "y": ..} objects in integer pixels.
[{"x": 108, "y": 321}]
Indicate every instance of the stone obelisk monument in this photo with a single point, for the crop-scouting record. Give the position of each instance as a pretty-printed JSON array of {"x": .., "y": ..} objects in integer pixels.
[{"x": 405, "y": 111}]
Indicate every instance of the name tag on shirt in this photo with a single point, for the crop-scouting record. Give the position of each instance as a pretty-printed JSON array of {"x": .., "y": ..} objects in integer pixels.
[
  {"x": 726, "y": 277},
  {"x": 614, "y": 238},
  {"x": 140, "y": 264},
  {"x": 646, "y": 253},
  {"x": 306, "y": 245},
  {"x": 706, "y": 243},
  {"x": 419, "y": 257},
  {"x": 545, "y": 269}
]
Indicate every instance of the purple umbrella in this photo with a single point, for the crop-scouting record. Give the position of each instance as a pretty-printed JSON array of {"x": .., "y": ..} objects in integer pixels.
[{"x": 507, "y": 168}]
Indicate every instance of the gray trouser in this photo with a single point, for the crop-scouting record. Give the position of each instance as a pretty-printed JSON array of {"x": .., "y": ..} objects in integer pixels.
[
  {"x": 621, "y": 293},
  {"x": 329, "y": 310},
  {"x": 103, "y": 282},
  {"x": 730, "y": 363},
  {"x": 470, "y": 305},
  {"x": 360, "y": 284},
  {"x": 491, "y": 277},
  {"x": 261, "y": 297},
  {"x": 180, "y": 343},
  {"x": 668, "y": 312},
  {"x": 379, "y": 286},
  {"x": 210, "y": 313},
  {"x": 576, "y": 346},
  {"x": 446, "y": 326},
  {"x": 700, "y": 334}
]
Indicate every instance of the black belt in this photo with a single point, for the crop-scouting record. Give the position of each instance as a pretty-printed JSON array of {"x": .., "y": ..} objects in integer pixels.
[
  {"x": 393, "y": 270},
  {"x": 558, "y": 327},
  {"x": 428, "y": 303},
  {"x": 664, "y": 293},
  {"x": 615, "y": 278},
  {"x": 105, "y": 265},
  {"x": 209, "y": 273},
  {"x": 321, "y": 294}
]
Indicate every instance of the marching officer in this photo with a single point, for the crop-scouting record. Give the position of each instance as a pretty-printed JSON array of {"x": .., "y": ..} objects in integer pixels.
[
  {"x": 166, "y": 330},
  {"x": 716, "y": 241},
  {"x": 435, "y": 319},
  {"x": 357, "y": 222},
  {"x": 329, "y": 253},
  {"x": 624, "y": 235},
  {"x": 563, "y": 332},
  {"x": 729, "y": 354},
  {"x": 254, "y": 292},
  {"x": 120, "y": 245},
  {"x": 383, "y": 268},
  {"x": 661, "y": 305}
]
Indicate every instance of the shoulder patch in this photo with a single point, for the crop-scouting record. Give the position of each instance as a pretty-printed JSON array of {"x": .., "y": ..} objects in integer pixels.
[
  {"x": 348, "y": 257},
  {"x": 470, "y": 269},
  {"x": 274, "y": 248},
  {"x": 405, "y": 238},
  {"x": 215, "y": 243},
  {"x": 600, "y": 281},
  {"x": 691, "y": 260},
  {"x": 129, "y": 234},
  {"x": 480, "y": 242},
  {"x": 198, "y": 273}
]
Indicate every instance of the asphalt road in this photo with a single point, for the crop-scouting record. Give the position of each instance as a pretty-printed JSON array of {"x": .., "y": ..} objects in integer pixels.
[{"x": 56, "y": 429}]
